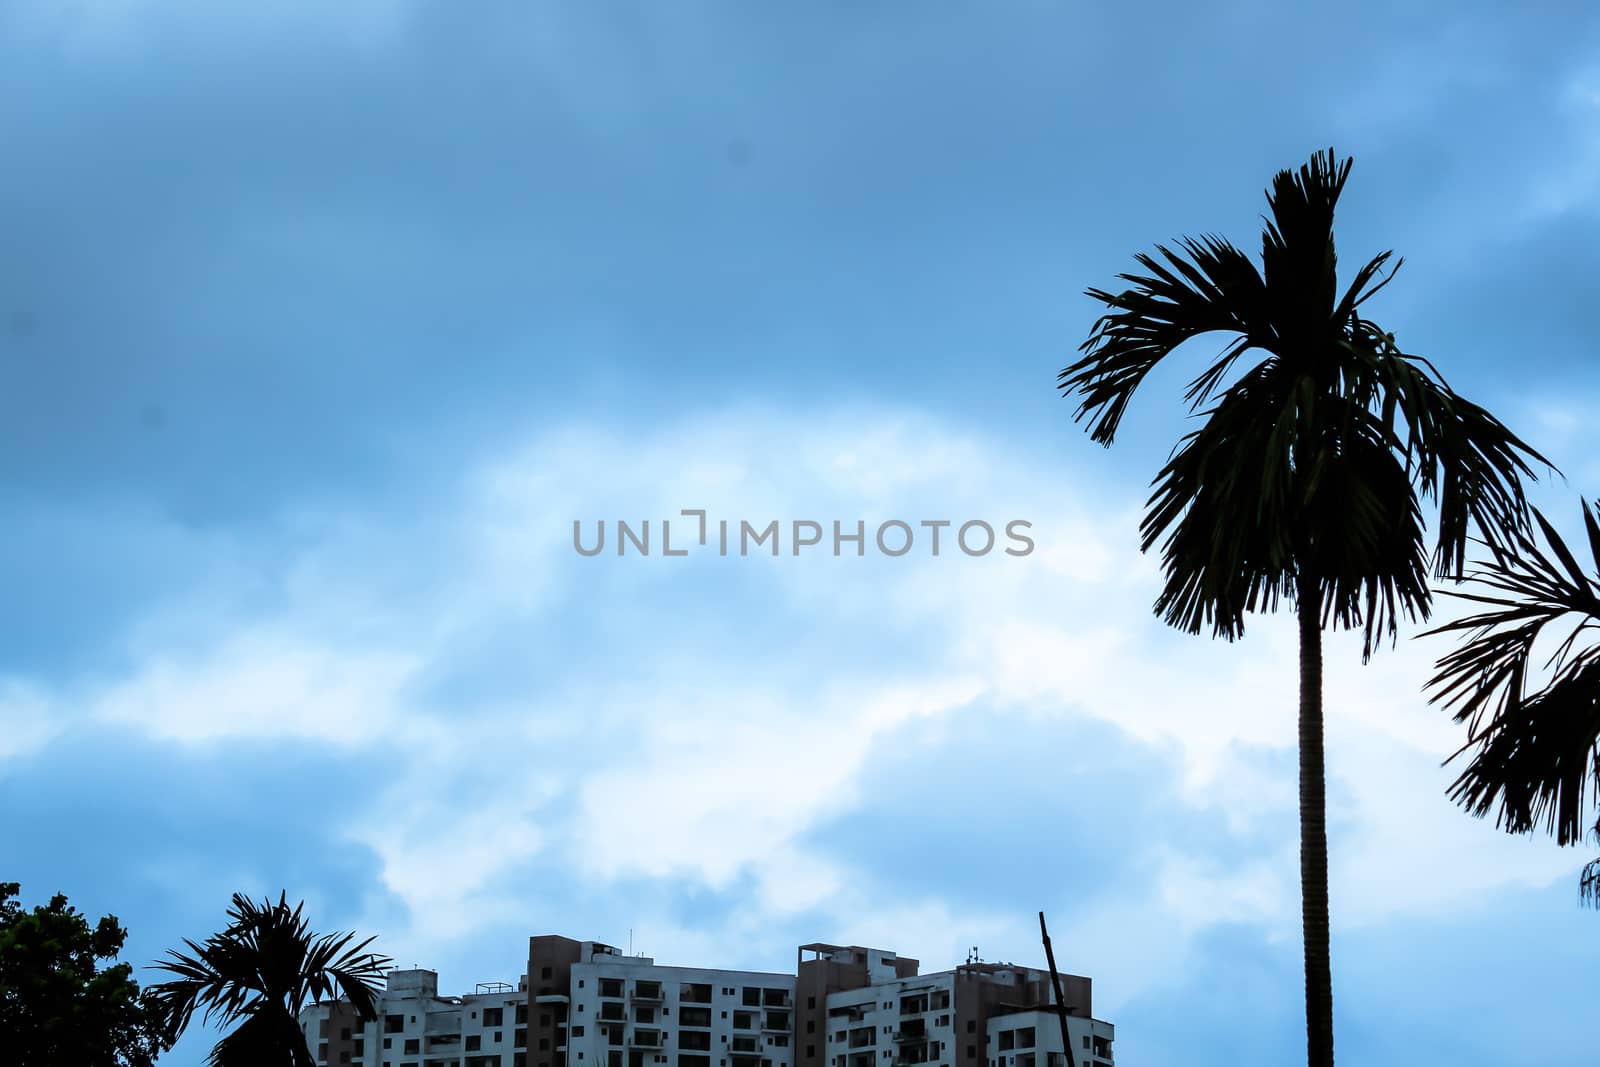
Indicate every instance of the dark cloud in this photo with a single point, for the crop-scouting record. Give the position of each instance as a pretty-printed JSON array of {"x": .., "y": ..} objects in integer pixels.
[
  {"x": 993, "y": 811},
  {"x": 305, "y": 252}
]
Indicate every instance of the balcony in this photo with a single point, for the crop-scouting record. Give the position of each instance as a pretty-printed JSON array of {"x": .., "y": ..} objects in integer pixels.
[{"x": 645, "y": 1039}]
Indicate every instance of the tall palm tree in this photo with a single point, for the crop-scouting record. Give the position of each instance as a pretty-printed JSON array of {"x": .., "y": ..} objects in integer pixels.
[
  {"x": 1303, "y": 482},
  {"x": 260, "y": 973},
  {"x": 1538, "y": 751}
]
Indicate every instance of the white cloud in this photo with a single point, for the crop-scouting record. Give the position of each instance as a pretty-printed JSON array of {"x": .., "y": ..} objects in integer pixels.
[
  {"x": 263, "y": 684},
  {"x": 652, "y": 750},
  {"x": 26, "y": 719}
]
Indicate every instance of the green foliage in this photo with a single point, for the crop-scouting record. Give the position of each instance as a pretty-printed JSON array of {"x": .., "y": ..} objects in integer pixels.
[
  {"x": 260, "y": 973},
  {"x": 58, "y": 1003},
  {"x": 1536, "y": 747},
  {"x": 1313, "y": 459}
]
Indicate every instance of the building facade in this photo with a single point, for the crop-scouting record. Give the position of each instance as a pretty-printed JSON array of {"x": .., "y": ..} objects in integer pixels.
[{"x": 585, "y": 1004}]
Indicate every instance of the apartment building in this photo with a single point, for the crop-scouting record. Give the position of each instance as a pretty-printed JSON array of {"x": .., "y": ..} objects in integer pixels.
[
  {"x": 878, "y": 1011},
  {"x": 595, "y": 1007},
  {"x": 586, "y": 1004},
  {"x": 417, "y": 1027},
  {"x": 1033, "y": 1039}
]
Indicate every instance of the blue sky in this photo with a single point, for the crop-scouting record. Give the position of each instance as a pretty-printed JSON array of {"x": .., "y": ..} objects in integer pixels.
[{"x": 320, "y": 326}]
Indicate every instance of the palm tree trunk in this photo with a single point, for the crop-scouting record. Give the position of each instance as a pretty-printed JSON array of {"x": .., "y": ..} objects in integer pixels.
[{"x": 1314, "y": 832}]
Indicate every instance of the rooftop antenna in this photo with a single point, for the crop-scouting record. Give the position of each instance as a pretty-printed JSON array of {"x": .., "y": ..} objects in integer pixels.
[{"x": 630, "y": 940}]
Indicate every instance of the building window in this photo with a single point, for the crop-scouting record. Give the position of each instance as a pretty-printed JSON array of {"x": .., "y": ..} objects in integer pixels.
[
  {"x": 577, "y": 1031},
  {"x": 811, "y": 1002},
  {"x": 545, "y": 972},
  {"x": 811, "y": 1050}
]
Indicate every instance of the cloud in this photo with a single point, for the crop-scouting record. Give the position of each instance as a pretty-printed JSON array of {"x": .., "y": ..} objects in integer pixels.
[
  {"x": 25, "y": 720},
  {"x": 263, "y": 685},
  {"x": 707, "y": 719}
]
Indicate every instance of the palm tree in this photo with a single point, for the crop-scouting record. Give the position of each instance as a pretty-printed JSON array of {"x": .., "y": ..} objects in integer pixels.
[
  {"x": 261, "y": 972},
  {"x": 1303, "y": 482},
  {"x": 1538, "y": 753}
]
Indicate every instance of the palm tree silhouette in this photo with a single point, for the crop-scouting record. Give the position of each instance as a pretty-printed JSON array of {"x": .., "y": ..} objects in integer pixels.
[
  {"x": 260, "y": 973},
  {"x": 1303, "y": 482},
  {"x": 1538, "y": 752}
]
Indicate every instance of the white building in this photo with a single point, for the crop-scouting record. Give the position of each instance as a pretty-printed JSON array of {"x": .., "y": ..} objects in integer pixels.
[
  {"x": 585, "y": 1004},
  {"x": 1033, "y": 1039},
  {"x": 626, "y": 1011},
  {"x": 417, "y": 1027}
]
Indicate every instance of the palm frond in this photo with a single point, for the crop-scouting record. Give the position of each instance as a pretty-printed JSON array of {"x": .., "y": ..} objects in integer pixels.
[
  {"x": 266, "y": 965},
  {"x": 1215, "y": 289},
  {"x": 1318, "y": 457},
  {"x": 1589, "y": 884},
  {"x": 1535, "y": 759},
  {"x": 268, "y": 1038}
]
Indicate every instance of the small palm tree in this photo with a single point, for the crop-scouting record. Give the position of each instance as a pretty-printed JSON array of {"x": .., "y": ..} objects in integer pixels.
[
  {"x": 1537, "y": 745},
  {"x": 260, "y": 973},
  {"x": 1303, "y": 483}
]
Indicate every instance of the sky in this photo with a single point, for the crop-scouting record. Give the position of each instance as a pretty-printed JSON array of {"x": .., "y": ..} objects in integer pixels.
[{"x": 322, "y": 324}]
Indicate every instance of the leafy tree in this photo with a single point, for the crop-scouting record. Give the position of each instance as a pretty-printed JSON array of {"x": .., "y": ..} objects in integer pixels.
[
  {"x": 58, "y": 1004},
  {"x": 1303, "y": 482},
  {"x": 260, "y": 973},
  {"x": 1537, "y": 746}
]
